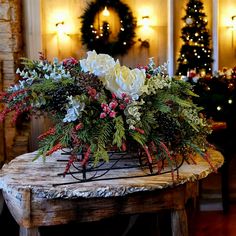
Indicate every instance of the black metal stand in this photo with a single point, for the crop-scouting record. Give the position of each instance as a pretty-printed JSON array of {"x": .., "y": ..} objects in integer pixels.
[{"x": 117, "y": 161}]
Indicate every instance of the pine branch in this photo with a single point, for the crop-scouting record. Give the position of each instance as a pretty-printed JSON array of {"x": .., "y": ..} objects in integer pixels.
[
  {"x": 149, "y": 121},
  {"x": 101, "y": 140},
  {"x": 139, "y": 138},
  {"x": 119, "y": 134}
]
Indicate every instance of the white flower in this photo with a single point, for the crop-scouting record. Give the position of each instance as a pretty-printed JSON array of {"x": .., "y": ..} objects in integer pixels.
[
  {"x": 18, "y": 71},
  {"x": 156, "y": 83},
  {"x": 123, "y": 80},
  {"x": 98, "y": 64},
  {"x": 195, "y": 79},
  {"x": 132, "y": 113},
  {"x": 74, "y": 110}
]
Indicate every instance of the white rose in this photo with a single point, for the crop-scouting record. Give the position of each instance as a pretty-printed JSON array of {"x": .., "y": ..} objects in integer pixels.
[
  {"x": 98, "y": 64},
  {"x": 123, "y": 80}
]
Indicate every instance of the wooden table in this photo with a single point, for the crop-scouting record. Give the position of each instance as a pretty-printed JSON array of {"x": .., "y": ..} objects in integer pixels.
[{"x": 27, "y": 188}]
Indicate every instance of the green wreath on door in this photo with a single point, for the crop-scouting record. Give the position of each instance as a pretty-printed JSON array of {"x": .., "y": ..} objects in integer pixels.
[{"x": 100, "y": 42}]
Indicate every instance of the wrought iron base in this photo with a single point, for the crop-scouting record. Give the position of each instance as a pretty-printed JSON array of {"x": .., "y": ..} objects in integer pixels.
[{"x": 117, "y": 161}]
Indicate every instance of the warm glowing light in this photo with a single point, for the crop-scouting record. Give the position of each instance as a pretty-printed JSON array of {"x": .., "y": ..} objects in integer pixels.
[
  {"x": 60, "y": 28},
  {"x": 230, "y": 101},
  {"x": 203, "y": 74},
  {"x": 145, "y": 21},
  {"x": 60, "y": 22},
  {"x": 147, "y": 10},
  {"x": 234, "y": 22},
  {"x": 105, "y": 12},
  {"x": 219, "y": 108}
]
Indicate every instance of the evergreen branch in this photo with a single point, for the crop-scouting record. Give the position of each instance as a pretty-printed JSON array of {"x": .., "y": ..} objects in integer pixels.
[
  {"x": 149, "y": 121},
  {"x": 119, "y": 134},
  {"x": 139, "y": 138},
  {"x": 100, "y": 153}
]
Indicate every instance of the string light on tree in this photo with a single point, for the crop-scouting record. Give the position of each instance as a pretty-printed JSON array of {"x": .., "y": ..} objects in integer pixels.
[{"x": 196, "y": 40}]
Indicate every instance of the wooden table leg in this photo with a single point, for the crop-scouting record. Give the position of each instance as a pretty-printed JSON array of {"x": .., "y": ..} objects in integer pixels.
[
  {"x": 29, "y": 231},
  {"x": 179, "y": 223}
]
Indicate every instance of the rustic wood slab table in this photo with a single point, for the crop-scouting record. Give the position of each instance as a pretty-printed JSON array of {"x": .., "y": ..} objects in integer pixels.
[{"x": 28, "y": 188}]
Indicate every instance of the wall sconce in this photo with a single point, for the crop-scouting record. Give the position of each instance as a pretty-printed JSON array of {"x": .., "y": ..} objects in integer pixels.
[
  {"x": 145, "y": 22},
  {"x": 145, "y": 30},
  {"x": 60, "y": 27},
  {"x": 233, "y": 22},
  {"x": 233, "y": 29},
  {"x": 144, "y": 43},
  {"x": 105, "y": 12}
]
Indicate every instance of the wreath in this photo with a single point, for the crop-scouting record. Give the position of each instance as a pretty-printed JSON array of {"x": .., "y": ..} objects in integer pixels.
[{"x": 98, "y": 40}]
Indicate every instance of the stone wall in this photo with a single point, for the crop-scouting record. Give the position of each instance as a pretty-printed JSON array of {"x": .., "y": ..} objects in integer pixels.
[{"x": 11, "y": 45}]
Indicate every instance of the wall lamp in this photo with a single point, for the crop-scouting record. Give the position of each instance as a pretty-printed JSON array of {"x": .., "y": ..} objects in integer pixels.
[
  {"x": 62, "y": 29},
  {"x": 233, "y": 22},
  {"x": 145, "y": 25},
  {"x": 145, "y": 21}
]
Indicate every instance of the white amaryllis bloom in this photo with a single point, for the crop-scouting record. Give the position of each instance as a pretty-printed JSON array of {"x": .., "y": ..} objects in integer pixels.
[
  {"x": 98, "y": 64},
  {"x": 122, "y": 80}
]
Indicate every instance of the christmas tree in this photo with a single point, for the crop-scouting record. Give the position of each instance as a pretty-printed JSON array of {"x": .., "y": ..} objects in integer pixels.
[{"x": 195, "y": 53}]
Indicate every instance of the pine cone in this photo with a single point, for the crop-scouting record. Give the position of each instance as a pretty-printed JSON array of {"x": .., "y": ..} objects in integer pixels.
[
  {"x": 87, "y": 80},
  {"x": 57, "y": 99},
  {"x": 169, "y": 129}
]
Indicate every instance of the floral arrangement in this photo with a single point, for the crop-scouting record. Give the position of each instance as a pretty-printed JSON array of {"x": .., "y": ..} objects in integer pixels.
[{"x": 98, "y": 105}]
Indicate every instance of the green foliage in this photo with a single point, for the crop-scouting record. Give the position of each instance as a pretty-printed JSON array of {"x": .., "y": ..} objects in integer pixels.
[
  {"x": 157, "y": 116},
  {"x": 119, "y": 134},
  {"x": 149, "y": 121},
  {"x": 102, "y": 134},
  {"x": 139, "y": 138}
]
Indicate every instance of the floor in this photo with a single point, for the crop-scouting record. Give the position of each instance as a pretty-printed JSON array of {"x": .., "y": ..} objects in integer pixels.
[{"x": 214, "y": 223}]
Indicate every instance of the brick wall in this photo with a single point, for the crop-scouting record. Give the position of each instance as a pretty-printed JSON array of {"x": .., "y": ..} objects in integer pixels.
[{"x": 10, "y": 51}]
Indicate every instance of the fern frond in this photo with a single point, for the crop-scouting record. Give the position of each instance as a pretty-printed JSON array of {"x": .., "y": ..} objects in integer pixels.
[
  {"x": 149, "y": 121},
  {"x": 139, "y": 138},
  {"x": 119, "y": 134},
  {"x": 100, "y": 153},
  {"x": 102, "y": 134}
]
